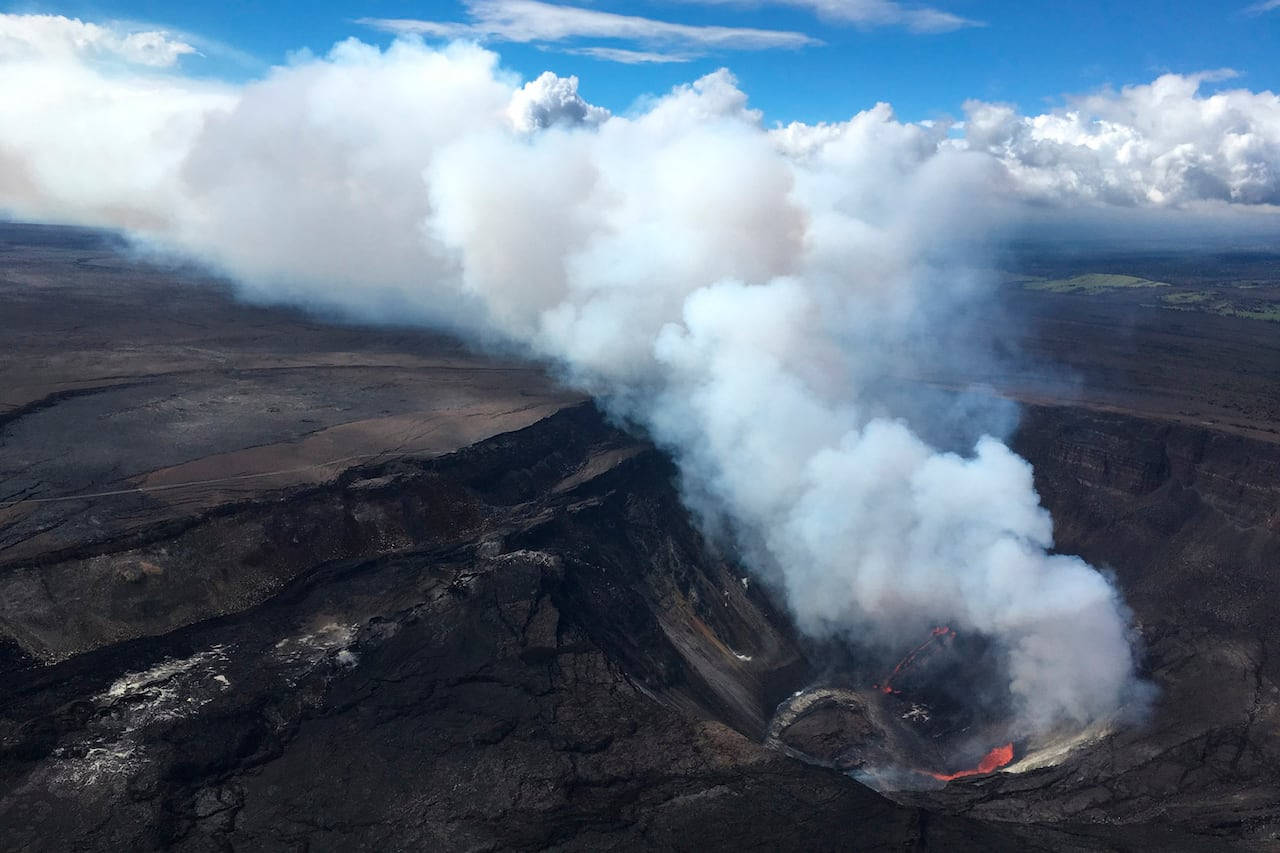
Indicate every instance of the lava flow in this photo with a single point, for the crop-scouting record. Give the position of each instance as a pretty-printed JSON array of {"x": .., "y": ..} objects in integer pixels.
[
  {"x": 939, "y": 635},
  {"x": 990, "y": 763}
]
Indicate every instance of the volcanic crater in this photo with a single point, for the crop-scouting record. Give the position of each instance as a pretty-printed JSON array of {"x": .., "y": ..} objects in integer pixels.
[{"x": 471, "y": 613}]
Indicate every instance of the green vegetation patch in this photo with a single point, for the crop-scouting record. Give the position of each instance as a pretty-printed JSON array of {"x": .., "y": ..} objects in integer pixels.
[
  {"x": 1186, "y": 298},
  {"x": 1217, "y": 303},
  {"x": 1092, "y": 283},
  {"x": 1251, "y": 300}
]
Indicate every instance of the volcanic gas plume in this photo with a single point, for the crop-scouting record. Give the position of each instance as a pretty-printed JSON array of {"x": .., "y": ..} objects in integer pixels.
[{"x": 740, "y": 298}]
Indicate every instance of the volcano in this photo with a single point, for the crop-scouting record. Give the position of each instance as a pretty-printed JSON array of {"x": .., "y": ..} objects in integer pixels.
[
  {"x": 348, "y": 588},
  {"x": 926, "y": 714}
]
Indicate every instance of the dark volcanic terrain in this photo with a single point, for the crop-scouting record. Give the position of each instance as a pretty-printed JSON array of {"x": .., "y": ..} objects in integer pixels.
[{"x": 272, "y": 584}]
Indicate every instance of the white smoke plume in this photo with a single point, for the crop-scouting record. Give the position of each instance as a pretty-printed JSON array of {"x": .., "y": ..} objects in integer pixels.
[{"x": 736, "y": 291}]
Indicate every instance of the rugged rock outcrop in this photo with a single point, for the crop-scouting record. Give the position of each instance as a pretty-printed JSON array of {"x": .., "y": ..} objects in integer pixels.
[
  {"x": 1186, "y": 517},
  {"x": 214, "y": 637},
  {"x": 1189, "y": 519},
  {"x": 525, "y": 645}
]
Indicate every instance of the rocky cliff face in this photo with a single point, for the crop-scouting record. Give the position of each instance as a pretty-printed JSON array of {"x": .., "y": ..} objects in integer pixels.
[
  {"x": 522, "y": 645},
  {"x": 526, "y": 645},
  {"x": 1188, "y": 519},
  {"x": 222, "y": 627}
]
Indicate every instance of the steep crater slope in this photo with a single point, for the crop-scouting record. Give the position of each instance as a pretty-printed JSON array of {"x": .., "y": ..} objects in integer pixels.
[
  {"x": 526, "y": 645},
  {"x": 1188, "y": 519},
  {"x": 213, "y": 638},
  {"x": 522, "y": 645}
]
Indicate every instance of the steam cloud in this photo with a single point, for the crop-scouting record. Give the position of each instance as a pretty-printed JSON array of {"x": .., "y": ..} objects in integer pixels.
[{"x": 737, "y": 291}]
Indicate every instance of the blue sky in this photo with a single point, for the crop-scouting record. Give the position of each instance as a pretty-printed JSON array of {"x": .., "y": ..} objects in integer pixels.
[{"x": 1027, "y": 53}]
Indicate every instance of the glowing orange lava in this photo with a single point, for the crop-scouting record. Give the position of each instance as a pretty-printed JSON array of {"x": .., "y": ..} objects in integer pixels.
[
  {"x": 990, "y": 763},
  {"x": 939, "y": 634}
]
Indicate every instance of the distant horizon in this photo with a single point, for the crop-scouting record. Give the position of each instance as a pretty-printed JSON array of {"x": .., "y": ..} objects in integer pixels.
[{"x": 1102, "y": 240}]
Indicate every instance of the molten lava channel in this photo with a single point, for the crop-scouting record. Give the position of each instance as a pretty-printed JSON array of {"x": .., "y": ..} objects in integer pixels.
[
  {"x": 939, "y": 634},
  {"x": 990, "y": 763},
  {"x": 942, "y": 635}
]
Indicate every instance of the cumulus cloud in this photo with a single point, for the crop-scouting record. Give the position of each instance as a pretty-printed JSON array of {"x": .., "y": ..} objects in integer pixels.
[
  {"x": 550, "y": 100},
  {"x": 1161, "y": 143},
  {"x": 550, "y": 23},
  {"x": 24, "y": 37},
  {"x": 741, "y": 293}
]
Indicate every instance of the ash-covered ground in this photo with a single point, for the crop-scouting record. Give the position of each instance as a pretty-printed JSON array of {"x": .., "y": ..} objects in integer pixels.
[{"x": 268, "y": 582}]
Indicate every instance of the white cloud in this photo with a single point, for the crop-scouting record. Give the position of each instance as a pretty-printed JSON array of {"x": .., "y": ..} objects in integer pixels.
[
  {"x": 83, "y": 144},
  {"x": 1263, "y": 7},
  {"x": 44, "y": 36},
  {"x": 1164, "y": 144},
  {"x": 629, "y": 57},
  {"x": 548, "y": 23},
  {"x": 1160, "y": 144},
  {"x": 548, "y": 101},
  {"x": 868, "y": 13}
]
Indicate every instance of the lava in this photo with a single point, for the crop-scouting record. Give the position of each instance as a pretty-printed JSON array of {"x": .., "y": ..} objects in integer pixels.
[
  {"x": 993, "y": 760},
  {"x": 938, "y": 635},
  {"x": 990, "y": 763}
]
